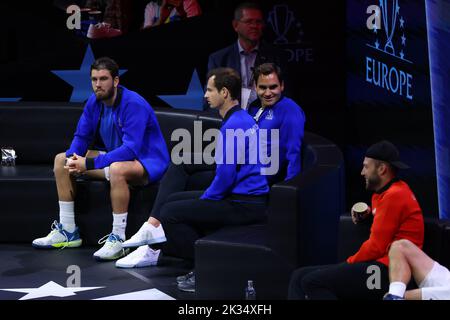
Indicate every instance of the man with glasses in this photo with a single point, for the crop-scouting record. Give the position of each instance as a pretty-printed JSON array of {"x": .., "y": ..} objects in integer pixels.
[{"x": 248, "y": 52}]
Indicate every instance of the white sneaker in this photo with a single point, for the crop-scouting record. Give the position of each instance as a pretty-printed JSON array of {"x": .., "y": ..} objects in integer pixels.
[
  {"x": 147, "y": 234},
  {"x": 143, "y": 256},
  {"x": 58, "y": 238},
  {"x": 112, "y": 248}
]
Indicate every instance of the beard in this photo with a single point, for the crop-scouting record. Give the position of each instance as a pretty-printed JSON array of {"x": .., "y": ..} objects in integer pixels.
[
  {"x": 104, "y": 95},
  {"x": 372, "y": 183}
]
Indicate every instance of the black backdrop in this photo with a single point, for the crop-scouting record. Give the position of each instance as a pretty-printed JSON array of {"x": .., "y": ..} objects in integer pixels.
[{"x": 324, "y": 55}]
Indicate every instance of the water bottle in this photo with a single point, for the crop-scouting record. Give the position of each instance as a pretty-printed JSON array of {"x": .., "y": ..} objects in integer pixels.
[{"x": 250, "y": 293}]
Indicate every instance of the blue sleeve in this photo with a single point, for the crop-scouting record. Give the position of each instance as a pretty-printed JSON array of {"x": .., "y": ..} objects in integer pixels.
[
  {"x": 84, "y": 133},
  {"x": 291, "y": 133},
  {"x": 134, "y": 121},
  {"x": 225, "y": 177}
]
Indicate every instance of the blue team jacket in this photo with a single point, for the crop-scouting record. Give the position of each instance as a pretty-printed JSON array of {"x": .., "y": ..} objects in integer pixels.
[
  {"x": 289, "y": 118},
  {"x": 235, "y": 177},
  {"x": 138, "y": 129}
]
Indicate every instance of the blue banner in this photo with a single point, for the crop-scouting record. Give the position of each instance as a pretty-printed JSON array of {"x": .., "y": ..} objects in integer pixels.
[{"x": 438, "y": 21}]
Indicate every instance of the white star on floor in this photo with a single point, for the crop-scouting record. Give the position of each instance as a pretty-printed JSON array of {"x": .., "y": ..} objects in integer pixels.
[{"x": 50, "y": 289}]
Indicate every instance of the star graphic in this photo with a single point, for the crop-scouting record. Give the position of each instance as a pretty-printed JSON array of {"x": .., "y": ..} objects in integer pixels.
[
  {"x": 79, "y": 79},
  {"x": 191, "y": 100},
  {"x": 402, "y": 22},
  {"x": 50, "y": 289},
  {"x": 398, "y": 8},
  {"x": 377, "y": 44},
  {"x": 402, "y": 54},
  {"x": 374, "y": 30},
  {"x": 403, "y": 40}
]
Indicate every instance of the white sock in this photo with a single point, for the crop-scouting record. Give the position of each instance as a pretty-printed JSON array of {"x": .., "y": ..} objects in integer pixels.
[
  {"x": 67, "y": 215},
  {"x": 120, "y": 224},
  {"x": 397, "y": 288}
]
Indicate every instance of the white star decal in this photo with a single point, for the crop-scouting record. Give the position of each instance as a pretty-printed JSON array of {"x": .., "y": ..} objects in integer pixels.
[
  {"x": 50, "y": 289},
  {"x": 403, "y": 40}
]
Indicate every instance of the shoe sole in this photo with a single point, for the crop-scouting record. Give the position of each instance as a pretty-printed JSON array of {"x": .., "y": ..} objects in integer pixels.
[
  {"x": 118, "y": 256},
  {"x": 70, "y": 244},
  {"x": 187, "y": 290},
  {"x": 143, "y": 243},
  {"x": 130, "y": 266}
]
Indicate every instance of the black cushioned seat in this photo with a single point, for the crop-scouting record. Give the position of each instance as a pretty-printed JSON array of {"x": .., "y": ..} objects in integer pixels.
[
  {"x": 227, "y": 258},
  {"x": 301, "y": 229},
  {"x": 28, "y": 196}
]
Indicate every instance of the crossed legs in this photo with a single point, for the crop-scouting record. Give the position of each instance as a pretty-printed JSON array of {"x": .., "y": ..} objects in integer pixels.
[{"x": 406, "y": 260}]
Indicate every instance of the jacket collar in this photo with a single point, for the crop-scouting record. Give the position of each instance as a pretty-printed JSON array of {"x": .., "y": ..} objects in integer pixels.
[
  {"x": 118, "y": 97},
  {"x": 387, "y": 186},
  {"x": 230, "y": 112}
]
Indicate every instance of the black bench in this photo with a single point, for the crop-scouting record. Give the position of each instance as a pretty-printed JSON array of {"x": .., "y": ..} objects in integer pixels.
[
  {"x": 28, "y": 197},
  {"x": 303, "y": 213},
  {"x": 302, "y": 229}
]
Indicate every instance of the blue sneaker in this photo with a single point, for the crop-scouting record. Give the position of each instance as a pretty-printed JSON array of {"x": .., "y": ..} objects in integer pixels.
[
  {"x": 389, "y": 296},
  {"x": 58, "y": 238}
]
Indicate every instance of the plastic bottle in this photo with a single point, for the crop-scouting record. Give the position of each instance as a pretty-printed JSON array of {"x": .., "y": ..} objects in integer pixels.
[{"x": 250, "y": 293}]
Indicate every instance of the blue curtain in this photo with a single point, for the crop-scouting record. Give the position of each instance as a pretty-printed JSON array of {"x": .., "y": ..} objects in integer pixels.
[{"x": 438, "y": 23}]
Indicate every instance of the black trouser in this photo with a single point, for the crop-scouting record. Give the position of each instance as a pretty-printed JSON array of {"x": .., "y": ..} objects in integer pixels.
[
  {"x": 177, "y": 178},
  {"x": 186, "y": 218},
  {"x": 340, "y": 281}
]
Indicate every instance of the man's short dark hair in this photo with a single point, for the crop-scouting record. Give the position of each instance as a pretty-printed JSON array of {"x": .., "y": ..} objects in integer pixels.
[
  {"x": 106, "y": 63},
  {"x": 245, "y": 5},
  {"x": 266, "y": 69},
  {"x": 227, "y": 78}
]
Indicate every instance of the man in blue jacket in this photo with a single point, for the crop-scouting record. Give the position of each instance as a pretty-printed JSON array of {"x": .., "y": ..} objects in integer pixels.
[
  {"x": 132, "y": 152},
  {"x": 236, "y": 196},
  {"x": 276, "y": 113}
]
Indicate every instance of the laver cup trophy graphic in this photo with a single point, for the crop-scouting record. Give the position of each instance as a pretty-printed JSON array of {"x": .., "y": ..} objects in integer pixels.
[
  {"x": 390, "y": 14},
  {"x": 438, "y": 25},
  {"x": 281, "y": 19}
]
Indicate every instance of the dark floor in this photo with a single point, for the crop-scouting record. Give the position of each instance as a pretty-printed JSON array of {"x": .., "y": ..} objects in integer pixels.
[{"x": 55, "y": 272}]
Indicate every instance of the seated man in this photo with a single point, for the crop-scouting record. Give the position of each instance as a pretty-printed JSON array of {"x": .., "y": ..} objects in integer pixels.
[
  {"x": 136, "y": 154},
  {"x": 396, "y": 215},
  {"x": 274, "y": 112},
  {"x": 406, "y": 260},
  {"x": 236, "y": 196}
]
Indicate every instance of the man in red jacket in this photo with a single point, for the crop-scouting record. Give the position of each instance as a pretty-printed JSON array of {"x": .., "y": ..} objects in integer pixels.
[{"x": 396, "y": 215}]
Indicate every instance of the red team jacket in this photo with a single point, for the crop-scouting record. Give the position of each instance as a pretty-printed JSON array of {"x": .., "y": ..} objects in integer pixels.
[{"x": 396, "y": 215}]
